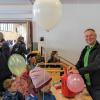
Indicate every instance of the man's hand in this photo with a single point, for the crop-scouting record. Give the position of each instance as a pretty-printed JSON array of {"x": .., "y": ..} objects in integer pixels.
[{"x": 72, "y": 70}]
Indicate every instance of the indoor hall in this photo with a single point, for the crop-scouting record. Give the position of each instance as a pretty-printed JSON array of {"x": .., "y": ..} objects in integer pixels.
[{"x": 65, "y": 35}]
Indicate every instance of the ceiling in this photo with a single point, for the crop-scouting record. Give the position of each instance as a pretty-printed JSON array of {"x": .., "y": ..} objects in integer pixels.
[
  {"x": 80, "y": 1},
  {"x": 22, "y": 9},
  {"x": 16, "y": 2},
  {"x": 29, "y": 2}
]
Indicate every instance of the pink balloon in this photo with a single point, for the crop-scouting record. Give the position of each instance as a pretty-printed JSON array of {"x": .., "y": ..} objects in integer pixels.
[{"x": 75, "y": 83}]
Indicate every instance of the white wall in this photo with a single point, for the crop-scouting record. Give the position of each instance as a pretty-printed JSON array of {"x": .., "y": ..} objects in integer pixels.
[{"x": 67, "y": 37}]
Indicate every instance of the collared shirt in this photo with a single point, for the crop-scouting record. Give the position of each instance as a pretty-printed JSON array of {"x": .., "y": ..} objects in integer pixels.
[{"x": 86, "y": 57}]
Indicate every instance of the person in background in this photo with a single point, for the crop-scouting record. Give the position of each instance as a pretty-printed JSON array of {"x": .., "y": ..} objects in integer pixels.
[
  {"x": 20, "y": 47},
  {"x": 21, "y": 83},
  {"x": 4, "y": 56},
  {"x": 32, "y": 61},
  {"x": 88, "y": 64},
  {"x": 11, "y": 91},
  {"x": 53, "y": 57}
]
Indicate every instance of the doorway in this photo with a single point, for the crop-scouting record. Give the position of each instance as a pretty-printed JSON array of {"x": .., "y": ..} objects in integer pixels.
[{"x": 13, "y": 29}]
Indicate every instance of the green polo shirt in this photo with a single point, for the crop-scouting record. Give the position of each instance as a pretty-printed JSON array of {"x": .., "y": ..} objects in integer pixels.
[{"x": 86, "y": 57}]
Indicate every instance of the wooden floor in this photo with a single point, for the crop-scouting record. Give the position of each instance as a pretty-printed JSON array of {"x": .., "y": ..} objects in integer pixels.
[{"x": 82, "y": 96}]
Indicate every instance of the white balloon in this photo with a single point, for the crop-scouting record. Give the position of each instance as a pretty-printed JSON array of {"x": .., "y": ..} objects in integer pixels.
[{"x": 47, "y": 13}]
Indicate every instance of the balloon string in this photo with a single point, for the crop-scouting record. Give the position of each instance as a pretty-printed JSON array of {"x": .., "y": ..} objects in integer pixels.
[{"x": 45, "y": 54}]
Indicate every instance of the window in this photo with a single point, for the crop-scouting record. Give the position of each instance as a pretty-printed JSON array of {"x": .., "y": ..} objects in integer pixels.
[{"x": 6, "y": 27}]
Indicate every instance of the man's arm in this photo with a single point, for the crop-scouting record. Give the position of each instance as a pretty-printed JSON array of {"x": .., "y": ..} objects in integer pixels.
[{"x": 92, "y": 67}]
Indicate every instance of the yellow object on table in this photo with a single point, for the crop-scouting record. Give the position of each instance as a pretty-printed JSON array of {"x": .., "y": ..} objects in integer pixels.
[{"x": 55, "y": 73}]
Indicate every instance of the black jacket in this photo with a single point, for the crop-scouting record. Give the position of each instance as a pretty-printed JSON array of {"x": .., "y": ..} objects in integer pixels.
[
  {"x": 20, "y": 48},
  {"x": 4, "y": 56},
  {"x": 93, "y": 67}
]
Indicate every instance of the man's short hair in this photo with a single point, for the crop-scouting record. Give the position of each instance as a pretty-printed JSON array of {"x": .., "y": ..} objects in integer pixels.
[{"x": 91, "y": 29}]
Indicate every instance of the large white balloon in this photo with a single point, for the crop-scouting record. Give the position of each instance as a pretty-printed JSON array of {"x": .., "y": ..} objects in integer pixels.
[{"x": 47, "y": 13}]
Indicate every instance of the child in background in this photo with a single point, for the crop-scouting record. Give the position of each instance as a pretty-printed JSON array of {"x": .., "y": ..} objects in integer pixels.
[
  {"x": 11, "y": 91},
  {"x": 23, "y": 82},
  {"x": 32, "y": 61},
  {"x": 41, "y": 81}
]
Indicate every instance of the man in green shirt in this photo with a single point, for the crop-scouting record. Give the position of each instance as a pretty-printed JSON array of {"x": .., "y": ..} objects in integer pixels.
[{"x": 88, "y": 64}]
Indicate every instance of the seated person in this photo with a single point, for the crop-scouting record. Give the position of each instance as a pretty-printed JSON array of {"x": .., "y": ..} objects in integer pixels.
[
  {"x": 54, "y": 57},
  {"x": 32, "y": 61}
]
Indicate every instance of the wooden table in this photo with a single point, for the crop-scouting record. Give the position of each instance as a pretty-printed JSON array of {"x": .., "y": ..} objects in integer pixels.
[
  {"x": 54, "y": 71},
  {"x": 82, "y": 96}
]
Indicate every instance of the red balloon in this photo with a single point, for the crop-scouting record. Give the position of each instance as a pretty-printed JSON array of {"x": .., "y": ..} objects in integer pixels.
[{"x": 75, "y": 83}]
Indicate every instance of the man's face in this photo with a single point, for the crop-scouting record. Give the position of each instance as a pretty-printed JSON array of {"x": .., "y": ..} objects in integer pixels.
[{"x": 90, "y": 37}]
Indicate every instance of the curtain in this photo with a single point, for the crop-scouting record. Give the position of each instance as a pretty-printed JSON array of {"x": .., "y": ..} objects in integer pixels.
[{"x": 30, "y": 34}]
